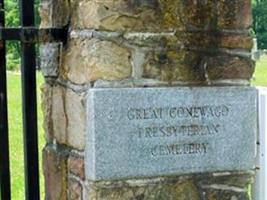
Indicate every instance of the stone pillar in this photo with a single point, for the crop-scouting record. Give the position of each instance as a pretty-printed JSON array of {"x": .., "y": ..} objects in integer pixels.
[{"x": 137, "y": 44}]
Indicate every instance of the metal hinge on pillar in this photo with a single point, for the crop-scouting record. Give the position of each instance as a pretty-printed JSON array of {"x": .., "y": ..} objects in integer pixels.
[{"x": 34, "y": 35}]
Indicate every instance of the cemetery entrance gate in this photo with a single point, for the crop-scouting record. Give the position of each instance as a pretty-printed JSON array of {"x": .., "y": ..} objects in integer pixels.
[{"x": 28, "y": 35}]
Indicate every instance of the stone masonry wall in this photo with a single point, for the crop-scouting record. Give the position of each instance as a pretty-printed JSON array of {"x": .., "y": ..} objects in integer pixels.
[{"x": 137, "y": 43}]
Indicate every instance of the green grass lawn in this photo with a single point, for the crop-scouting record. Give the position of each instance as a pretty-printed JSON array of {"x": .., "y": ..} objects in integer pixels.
[
  {"x": 260, "y": 76},
  {"x": 15, "y": 126},
  {"x": 16, "y": 135}
]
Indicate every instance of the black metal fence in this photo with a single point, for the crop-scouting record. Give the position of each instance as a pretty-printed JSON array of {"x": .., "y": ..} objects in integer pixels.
[{"x": 28, "y": 35}]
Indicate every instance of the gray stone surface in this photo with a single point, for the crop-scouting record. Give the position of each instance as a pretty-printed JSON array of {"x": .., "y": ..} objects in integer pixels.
[
  {"x": 50, "y": 59},
  {"x": 149, "y": 132}
]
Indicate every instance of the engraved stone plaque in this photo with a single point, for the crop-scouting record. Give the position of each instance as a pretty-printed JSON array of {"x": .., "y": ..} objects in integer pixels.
[{"x": 149, "y": 132}]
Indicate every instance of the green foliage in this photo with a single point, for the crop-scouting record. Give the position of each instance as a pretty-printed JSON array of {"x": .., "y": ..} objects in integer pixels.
[
  {"x": 13, "y": 60},
  {"x": 260, "y": 22},
  {"x": 12, "y": 20},
  {"x": 12, "y": 17}
]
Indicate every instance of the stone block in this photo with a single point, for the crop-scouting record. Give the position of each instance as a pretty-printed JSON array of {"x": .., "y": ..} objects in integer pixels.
[
  {"x": 159, "y": 189},
  {"x": 198, "y": 14},
  {"x": 90, "y": 60},
  {"x": 145, "y": 15},
  {"x": 221, "y": 67},
  {"x": 171, "y": 66},
  {"x": 45, "y": 13},
  {"x": 216, "y": 15},
  {"x": 234, "y": 14},
  {"x": 155, "y": 16},
  {"x": 50, "y": 59},
  {"x": 75, "y": 190},
  {"x": 76, "y": 166},
  {"x": 231, "y": 179},
  {"x": 68, "y": 117},
  {"x": 54, "y": 13},
  {"x": 220, "y": 194},
  {"x": 47, "y": 91},
  {"x": 218, "y": 40},
  {"x": 55, "y": 172},
  {"x": 135, "y": 133}
]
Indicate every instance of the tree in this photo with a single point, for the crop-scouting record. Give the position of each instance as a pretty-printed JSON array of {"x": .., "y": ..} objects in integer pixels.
[
  {"x": 260, "y": 22},
  {"x": 13, "y": 20}
]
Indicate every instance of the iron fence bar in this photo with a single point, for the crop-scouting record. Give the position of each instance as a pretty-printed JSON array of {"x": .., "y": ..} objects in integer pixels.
[
  {"x": 28, "y": 35},
  {"x": 34, "y": 34},
  {"x": 28, "y": 65},
  {"x": 4, "y": 142}
]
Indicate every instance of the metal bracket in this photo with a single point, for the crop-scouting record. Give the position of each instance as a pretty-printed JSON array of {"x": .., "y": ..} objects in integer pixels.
[{"x": 34, "y": 35}]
